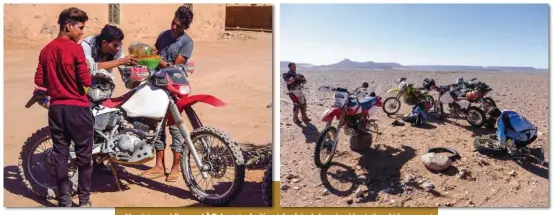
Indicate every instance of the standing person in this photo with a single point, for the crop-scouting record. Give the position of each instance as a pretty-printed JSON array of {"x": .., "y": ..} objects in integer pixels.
[
  {"x": 175, "y": 47},
  {"x": 64, "y": 72},
  {"x": 293, "y": 83}
]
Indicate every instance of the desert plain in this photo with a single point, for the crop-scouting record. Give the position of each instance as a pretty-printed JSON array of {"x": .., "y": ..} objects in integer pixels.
[{"x": 390, "y": 173}]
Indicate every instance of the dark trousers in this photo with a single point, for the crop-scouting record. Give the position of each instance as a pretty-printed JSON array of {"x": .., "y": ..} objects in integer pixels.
[{"x": 72, "y": 124}]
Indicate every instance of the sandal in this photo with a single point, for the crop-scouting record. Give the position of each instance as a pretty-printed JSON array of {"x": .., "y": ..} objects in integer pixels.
[
  {"x": 152, "y": 173},
  {"x": 173, "y": 177}
]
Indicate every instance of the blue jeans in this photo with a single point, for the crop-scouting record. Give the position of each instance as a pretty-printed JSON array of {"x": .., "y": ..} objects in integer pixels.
[{"x": 177, "y": 139}]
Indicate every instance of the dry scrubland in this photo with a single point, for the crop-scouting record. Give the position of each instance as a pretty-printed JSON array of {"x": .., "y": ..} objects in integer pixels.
[{"x": 394, "y": 161}]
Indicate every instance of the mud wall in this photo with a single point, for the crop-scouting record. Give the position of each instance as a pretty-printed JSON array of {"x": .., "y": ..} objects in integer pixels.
[
  {"x": 242, "y": 16},
  {"x": 142, "y": 22}
]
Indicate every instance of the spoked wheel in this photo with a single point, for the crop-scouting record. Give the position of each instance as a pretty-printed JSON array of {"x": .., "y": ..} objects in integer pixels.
[
  {"x": 37, "y": 166},
  {"x": 326, "y": 146},
  {"x": 476, "y": 117},
  {"x": 224, "y": 161},
  {"x": 488, "y": 145},
  {"x": 391, "y": 105}
]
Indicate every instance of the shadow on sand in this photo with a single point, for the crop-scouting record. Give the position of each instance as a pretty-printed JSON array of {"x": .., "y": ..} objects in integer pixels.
[
  {"x": 103, "y": 182},
  {"x": 381, "y": 167},
  {"x": 310, "y": 131}
]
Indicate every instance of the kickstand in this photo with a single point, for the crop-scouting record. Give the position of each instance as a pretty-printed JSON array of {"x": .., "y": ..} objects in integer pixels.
[{"x": 115, "y": 175}]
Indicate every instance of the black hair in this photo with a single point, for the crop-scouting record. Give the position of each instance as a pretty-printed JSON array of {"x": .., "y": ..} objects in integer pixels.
[
  {"x": 110, "y": 33},
  {"x": 495, "y": 112},
  {"x": 72, "y": 16},
  {"x": 184, "y": 15},
  {"x": 365, "y": 84},
  {"x": 291, "y": 64}
]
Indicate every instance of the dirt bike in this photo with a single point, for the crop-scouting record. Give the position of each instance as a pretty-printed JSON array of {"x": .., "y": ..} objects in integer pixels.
[
  {"x": 488, "y": 145},
  {"x": 266, "y": 187},
  {"x": 126, "y": 128},
  {"x": 354, "y": 118},
  {"x": 410, "y": 95},
  {"x": 458, "y": 106}
]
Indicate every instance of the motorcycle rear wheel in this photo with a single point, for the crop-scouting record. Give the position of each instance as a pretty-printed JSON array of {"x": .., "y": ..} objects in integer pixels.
[
  {"x": 488, "y": 146},
  {"x": 480, "y": 113},
  {"x": 238, "y": 162},
  {"x": 320, "y": 143},
  {"x": 24, "y": 164}
]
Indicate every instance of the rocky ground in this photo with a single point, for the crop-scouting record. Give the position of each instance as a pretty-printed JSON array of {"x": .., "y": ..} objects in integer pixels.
[{"x": 391, "y": 174}]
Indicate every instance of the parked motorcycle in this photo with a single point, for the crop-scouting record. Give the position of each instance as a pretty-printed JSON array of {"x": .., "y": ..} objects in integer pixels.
[
  {"x": 409, "y": 94},
  {"x": 353, "y": 116},
  {"x": 267, "y": 185},
  {"x": 126, "y": 128},
  {"x": 459, "y": 106}
]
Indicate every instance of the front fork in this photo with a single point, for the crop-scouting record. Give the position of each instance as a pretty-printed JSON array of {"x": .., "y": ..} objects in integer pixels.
[{"x": 185, "y": 133}]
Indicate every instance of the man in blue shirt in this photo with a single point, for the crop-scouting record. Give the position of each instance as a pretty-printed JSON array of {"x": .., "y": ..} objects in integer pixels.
[
  {"x": 514, "y": 131},
  {"x": 176, "y": 48},
  {"x": 294, "y": 83}
]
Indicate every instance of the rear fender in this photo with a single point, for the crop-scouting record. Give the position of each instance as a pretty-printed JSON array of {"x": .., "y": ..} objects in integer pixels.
[
  {"x": 330, "y": 114},
  {"x": 191, "y": 100}
]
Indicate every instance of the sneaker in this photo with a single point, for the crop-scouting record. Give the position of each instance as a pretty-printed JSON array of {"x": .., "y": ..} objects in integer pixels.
[{"x": 88, "y": 204}]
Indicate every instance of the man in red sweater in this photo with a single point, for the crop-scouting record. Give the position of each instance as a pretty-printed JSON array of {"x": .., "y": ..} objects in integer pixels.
[{"x": 63, "y": 71}]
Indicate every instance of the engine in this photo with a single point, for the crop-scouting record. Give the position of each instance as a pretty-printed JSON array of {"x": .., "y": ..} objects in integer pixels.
[{"x": 130, "y": 141}]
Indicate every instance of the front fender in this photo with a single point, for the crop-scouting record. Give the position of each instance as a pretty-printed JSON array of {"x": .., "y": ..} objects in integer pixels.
[
  {"x": 394, "y": 90},
  {"x": 330, "y": 114},
  {"x": 191, "y": 100}
]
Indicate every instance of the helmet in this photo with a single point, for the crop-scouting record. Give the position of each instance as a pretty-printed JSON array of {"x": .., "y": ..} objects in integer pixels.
[
  {"x": 402, "y": 79},
  {"x": 460, "y": 80},
  {"x": 365, "y": 85},
  {"x": 428, "y": 82}
]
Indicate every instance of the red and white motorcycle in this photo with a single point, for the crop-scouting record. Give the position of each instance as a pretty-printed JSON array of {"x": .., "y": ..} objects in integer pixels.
[
  {"x": 126, "y": 128},
  {"x": 354, "y": 117}
]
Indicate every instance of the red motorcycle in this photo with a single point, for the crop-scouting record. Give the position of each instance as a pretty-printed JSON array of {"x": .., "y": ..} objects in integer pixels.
[
  {"x": 353, "y": 116},
  {"x": 127, "y": 127}
]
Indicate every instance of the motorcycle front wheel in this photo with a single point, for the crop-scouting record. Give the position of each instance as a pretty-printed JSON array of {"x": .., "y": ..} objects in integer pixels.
[
  {"x": 326, "y": 143},
  {"x": 391, "y": 105},
  {"x": 37, "y": 166},
  {"x": 221, "y": 159}
]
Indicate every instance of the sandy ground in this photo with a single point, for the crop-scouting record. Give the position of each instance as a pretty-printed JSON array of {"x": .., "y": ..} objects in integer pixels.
[
  {"x": 236, "y": 71},
  {"x": 395, "y": 157}
]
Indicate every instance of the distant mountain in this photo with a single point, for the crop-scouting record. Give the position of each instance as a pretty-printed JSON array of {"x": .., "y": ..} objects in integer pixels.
[{"x": 370, "y": 65}]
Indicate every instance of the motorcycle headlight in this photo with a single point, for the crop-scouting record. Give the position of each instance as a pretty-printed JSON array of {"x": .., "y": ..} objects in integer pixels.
[{"x": 185, "y": 89}]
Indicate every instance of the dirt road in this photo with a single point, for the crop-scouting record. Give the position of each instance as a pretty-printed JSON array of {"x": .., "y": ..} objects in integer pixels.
[
  {"x": 392, "y": 169},
  {"x": 237, "y": 71}
]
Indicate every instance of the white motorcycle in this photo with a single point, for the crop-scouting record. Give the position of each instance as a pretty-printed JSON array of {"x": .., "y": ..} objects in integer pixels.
[{"x": 125, "y": 131}]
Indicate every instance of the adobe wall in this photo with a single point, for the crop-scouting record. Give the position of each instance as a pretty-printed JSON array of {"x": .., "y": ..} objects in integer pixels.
[
  {"x": 247, "y": 16},
  {"x": 143, "y": 22}
]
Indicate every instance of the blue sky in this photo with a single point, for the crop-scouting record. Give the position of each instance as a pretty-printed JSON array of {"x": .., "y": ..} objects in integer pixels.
[{"x": 416, "y": 34}]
